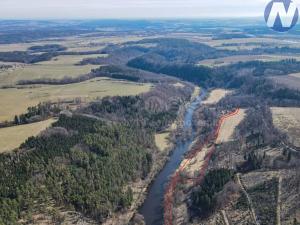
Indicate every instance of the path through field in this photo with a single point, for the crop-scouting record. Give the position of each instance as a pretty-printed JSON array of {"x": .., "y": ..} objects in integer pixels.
[
  {"x": 279, "y": 201},
  {"x": 248, "y": 199},
  {"x": 226, "y": 221}
]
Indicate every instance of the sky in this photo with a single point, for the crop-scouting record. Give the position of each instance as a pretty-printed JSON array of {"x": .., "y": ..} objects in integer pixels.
[{"x": 97, "y": 9}]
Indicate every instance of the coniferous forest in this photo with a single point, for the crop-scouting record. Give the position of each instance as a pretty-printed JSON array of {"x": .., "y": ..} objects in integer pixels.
[{"x": 82, "y": 163}]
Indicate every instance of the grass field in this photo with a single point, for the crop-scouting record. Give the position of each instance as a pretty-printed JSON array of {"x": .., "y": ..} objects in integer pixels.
[
  {"x": 56, "y": 68},
  {"x": 229, "y": 126},
  {"x": 12, "y": 137},
  {"x": 288, "y": 121},
  {"x": 254, "y": 40},
  {"x": 15, "y": 101},
  {"x": 216, "y": 95},
  {"x": 296, "y": 75},
  {"x": 74, "y": 43},
  {"x": 239, "y": 47},
  {"x": 69, "y": 59},
  {"x": 243, "y": 58},
  {"x": 15, "y": 47},
  {"x": 196, "y": 163},
  {"x": 161, "y": 140},
  {"x": 191, "y": 166}
]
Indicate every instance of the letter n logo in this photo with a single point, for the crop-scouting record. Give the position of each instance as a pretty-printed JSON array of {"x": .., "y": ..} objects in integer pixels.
[{"x": 281, "y": 15}]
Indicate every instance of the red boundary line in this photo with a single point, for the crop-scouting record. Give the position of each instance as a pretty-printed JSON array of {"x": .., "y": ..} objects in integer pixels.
[{"x": 168, "y": 198}]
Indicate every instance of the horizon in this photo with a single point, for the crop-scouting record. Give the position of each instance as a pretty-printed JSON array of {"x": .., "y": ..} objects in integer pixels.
[
  {"x": 129, "y": 9},
  {"x": 257, "y": 18}
]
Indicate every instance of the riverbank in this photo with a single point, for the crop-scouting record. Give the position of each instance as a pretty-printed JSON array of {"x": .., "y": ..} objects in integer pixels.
[
  {"x": 140, "y": 188},
  {"x": 152, "y": 208}
]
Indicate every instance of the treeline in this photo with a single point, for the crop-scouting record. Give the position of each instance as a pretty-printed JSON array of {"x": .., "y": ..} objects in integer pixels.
[
  {"x": 172, "y": 50},
  {"x": 196, "y": 74},
  {"x": 182, "y": 51},
  {"x": 21, "y": 33},
  {"x": 30, "y": 56},
  {"x": 25, "y": 57},
  {"x": 114, "y": 72},
  {"x": 34, "y": 114},
  {"x": 204, "y": 199},
  {"x": 274, "y": 68},
  {"x": 111, "y": 71},
  {"x": 116, "y": 55},
  {"x": 250, "y": 77},
  {"x": 177, "y": 57},
  {"x": 135, "y": 110},
  {"x": 265, "y": 90},
  {"x": 37, "y": 113},
  {"x": 5, "y": 67},
  {"x": 277, "y": 50},
  {"x": 228, "y": 36},
  {"x": 47, "y": 48}
]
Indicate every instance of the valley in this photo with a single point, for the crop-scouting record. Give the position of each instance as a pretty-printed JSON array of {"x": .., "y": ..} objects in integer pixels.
[{"x": 149, "y": 123}]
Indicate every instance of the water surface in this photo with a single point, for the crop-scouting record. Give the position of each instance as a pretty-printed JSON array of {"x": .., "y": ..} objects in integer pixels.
[{"x": 152, "y": 209}]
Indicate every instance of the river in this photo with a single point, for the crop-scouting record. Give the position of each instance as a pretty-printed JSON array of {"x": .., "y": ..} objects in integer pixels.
[{"x": 152, "y": 209}]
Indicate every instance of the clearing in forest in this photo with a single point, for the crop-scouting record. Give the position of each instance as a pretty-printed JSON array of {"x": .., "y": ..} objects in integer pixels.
[
  {"x": 215, "y": 96},
  {"x": 287, "y": 120},
  {"x": 229, "y": 126}
]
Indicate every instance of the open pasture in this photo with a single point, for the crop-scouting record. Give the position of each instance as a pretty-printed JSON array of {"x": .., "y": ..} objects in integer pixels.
[
  {"x": 215, "y": 96},
  {"x": 15, "y": 101},
  {"x": 244, "y": 58},
  {"x": 57, "y": 68},
  {"x": 12, "y": 137}
]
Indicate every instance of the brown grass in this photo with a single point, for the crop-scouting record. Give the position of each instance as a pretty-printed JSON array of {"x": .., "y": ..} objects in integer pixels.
[
  {"x": 196, "y": 163},
  {"x": 12, "y": 137},
  {"x": 179, "y": 85},
  {"x": 263, "y": 40},
  {"x": 297, "y": 75},
  {"x": 69, "y": 59},
  {"x": 243, "y": 58},
  {"x": 74, "y": 43},
  {"x": 216, "y": 95},
  {"x": 193, "y": 166},
  {"x": 162, "y": 141},
  {"x": 288, "y": 121},
  {"x": 57, "y": 68},
  {"x": 229, "y": 126},
  {"x": 15, "y": 101}
]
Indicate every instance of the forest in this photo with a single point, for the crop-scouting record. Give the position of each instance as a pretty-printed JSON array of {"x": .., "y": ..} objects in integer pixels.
[
  {"x": 250, "y": 77},
  {"x": 83, "y": 163},
  {"x": 204, "y": 198}
]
